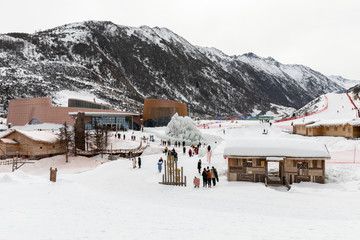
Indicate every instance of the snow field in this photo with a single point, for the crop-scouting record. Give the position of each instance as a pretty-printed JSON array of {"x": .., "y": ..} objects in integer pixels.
[{"x": 115, "y": 201}]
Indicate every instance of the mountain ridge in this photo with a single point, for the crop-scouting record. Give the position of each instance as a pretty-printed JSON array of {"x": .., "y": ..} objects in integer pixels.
[{"x": 125, "y": 65}]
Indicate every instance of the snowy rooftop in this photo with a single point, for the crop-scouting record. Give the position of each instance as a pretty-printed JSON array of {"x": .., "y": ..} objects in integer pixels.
[
  {"x": 276, "y": 147},
  {"x": 306, "y": 122},
  {"x": 8, "y": 141},
  {"x": 105, "y": 114},
  {"x": 40, "y": 136},
  {"x": 335, "y": 122}
]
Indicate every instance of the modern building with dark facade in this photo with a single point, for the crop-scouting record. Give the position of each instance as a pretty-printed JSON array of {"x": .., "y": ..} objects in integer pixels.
[
  {"x": 40, "y": 110},
  {"x": 158, "y": 112}
]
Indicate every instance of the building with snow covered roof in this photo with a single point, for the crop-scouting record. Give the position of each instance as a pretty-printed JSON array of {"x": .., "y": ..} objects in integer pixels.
[
  {"x": 40, "y": 110},
  {"x": 276, "y": 160},
  {"x": 30, "y": 144},
  {"x": 334, "y": 127},
  {"x": 300, "y": 128}
]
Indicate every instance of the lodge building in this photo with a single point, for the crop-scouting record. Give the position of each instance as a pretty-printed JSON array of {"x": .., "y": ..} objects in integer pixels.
[
  {"x": 276, "y": 160},
  {"x": 29, "y": 144},
  {"x": 336, "y": 128}
]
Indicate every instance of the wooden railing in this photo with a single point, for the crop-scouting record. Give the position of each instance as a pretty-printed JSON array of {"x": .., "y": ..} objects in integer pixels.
[{"x": 286, "y": 183}]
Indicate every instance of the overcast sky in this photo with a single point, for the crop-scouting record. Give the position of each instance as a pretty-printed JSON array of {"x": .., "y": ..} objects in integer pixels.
[{"x": 321, "y": 34}]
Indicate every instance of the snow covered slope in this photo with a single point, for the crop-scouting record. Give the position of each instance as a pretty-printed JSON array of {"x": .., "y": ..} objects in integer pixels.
[{"x": 332, "y": 106}]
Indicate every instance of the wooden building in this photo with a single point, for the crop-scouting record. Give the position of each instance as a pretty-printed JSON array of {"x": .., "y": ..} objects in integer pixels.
[
  {"x": 336, "y": 128},
  {"x": 300, "y": 128},
  {"x": 276, "y": 160},
  {"x": 31, "y": 144}
]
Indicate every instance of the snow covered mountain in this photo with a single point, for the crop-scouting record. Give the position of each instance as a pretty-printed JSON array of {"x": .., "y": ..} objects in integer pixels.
[
  {"x": 343, "y": 82},
  {"x": 125, "y": 65}
]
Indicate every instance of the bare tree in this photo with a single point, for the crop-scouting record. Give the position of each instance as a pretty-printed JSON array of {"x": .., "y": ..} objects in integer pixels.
[{"x": 65, "y": 139}]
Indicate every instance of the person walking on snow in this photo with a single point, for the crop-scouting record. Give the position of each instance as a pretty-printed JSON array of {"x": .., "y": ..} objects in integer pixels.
[
  {"x": 190, "y": 152},
  {"x": 212, "y": 171},
  {"x": 160, "y": 165},
  {"x": 208, "y": 177},
  {"x": 139, "y": 162},
  {"x": 208, "y": 154},
  {"x": 199, "y": 165},
  {"x": 134, "y": 162},
  {"x": 204, "y": 175},
  {"x": 184, "y": 150}
]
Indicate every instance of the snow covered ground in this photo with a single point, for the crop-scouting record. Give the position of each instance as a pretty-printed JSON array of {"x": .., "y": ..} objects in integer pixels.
[{"x": 99, "y": 199}]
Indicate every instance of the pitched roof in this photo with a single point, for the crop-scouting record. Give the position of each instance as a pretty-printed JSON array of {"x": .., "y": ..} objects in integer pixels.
[
  {"x": 276, "y": 147},
  {"x": 39, "y": 136}
]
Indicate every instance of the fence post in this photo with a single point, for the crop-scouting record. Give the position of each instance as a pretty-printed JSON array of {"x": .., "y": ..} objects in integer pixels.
[{"x": 53, "y": 174}]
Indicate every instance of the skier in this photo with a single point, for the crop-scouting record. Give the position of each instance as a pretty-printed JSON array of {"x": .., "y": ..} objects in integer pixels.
[
  {"x": 199, "y": 165},
  {"x": 183, "y": 143},
  {"x": 204, "y": 175},
  {"x": 190, "y": 152},
  {"x": 139, "y": 162},
  {"x": 184, "y": 149}
]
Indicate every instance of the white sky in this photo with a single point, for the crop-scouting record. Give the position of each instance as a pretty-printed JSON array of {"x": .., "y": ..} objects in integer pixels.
[{"x": 322, "y": 34}]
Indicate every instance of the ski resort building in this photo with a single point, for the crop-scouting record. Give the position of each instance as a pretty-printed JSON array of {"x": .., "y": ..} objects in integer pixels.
[
  {"x": 29, "y": 144},
  {"x": 40, "y": 110},
  {"x": 335, "y": 128},
  {"x": 158, "y": 112},
  {"x": 300, "y": 128},
  {"x": 276, "y": 161}
]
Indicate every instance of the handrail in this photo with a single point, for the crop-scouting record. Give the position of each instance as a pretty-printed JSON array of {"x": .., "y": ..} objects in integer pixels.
[
  {"x": 266, "y": 181},
  {"x": 286, "y": 183}
]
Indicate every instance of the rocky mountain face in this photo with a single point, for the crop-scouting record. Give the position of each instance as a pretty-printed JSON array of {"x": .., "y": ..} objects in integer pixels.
[{"x": 125, "y": 65}]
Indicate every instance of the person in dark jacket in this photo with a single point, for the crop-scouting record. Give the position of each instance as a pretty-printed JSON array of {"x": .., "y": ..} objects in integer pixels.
[
  {"x": 213, "y": 177},
  {"x": 199, "y": 165},
  {"x": 184, "y": 149},
  {"x": 139, "y": 162},
  {"x": 216, "y": 174},
  {"x": 204, "y": 175},
  {"x": 208, "y": 177}
]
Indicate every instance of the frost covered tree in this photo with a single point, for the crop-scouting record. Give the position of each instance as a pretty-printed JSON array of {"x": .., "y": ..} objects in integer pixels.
[{"x": 183, "y": 128}]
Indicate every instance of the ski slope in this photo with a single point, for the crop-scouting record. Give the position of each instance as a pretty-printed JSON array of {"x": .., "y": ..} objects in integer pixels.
[{"x": 337, "y": 107}]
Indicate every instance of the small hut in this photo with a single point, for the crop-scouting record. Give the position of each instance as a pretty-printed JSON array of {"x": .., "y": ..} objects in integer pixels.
[
  {"x": 300, "y": 127},
  {"x": 31, "y": 144},
  {"x": 276, "y": 160}
]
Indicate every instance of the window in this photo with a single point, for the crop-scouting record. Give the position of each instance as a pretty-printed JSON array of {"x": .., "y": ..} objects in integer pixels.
[
  {"x": 247, "y": 163},
  {"x": 40, "y": 147},
  {"x": 53, "y": 146},
  {"x": 335, "y": 128},
  {"x": 303, "y": 165},
  {"x": 34, "y": 121},
  {"x": 234, "y": 162}
]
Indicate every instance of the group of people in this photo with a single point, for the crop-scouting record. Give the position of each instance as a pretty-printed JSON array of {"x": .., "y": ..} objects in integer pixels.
[
  {"x": 138, "y": 162},
  {"x": 118, "y": 135},
  {"x": 168, "y": 143},
  {"x": 210, "y": 176}
]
